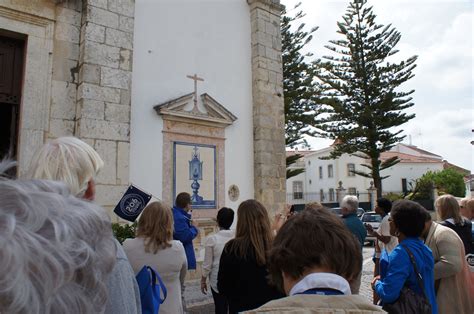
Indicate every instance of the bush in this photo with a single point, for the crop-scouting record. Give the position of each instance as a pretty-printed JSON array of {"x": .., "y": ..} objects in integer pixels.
[
  {"x": 447, "y": 181},
  {"x": 393, "y": 196},
  {"x": 124, "y": 231}
]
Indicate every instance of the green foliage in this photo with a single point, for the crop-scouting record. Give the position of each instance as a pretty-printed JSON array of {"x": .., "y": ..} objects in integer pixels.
[
  {"x": 299, "y": 85},
  {"x": 124, "y": 231},
  {"x": 446, "y": 181},
  {"x": 421, "y": 188},
  {"x": 449, "y": 181},
  {"x": 362, "y": 103},
  {"x": 393, "y": 196}
]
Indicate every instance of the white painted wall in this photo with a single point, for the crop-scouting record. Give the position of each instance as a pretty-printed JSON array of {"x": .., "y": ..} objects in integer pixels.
[
  {"x": 171, "y": 40},
  {"x": 409, "y": 171},
  {"x": 340, "y": 174}
]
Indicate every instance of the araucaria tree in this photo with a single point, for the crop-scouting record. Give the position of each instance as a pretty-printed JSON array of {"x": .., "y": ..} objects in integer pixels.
[
  {"x": 299, "y": 85},
  {"x": 360, "y": 91}
]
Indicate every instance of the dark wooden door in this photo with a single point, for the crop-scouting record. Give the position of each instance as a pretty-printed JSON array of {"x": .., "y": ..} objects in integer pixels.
[{"x": 11, "y": 77}]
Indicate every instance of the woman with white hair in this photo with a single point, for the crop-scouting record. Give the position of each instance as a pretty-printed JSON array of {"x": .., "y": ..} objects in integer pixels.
[
  {"x": 71, "y": 161},
  {"x": 56, "y": 250},
  {"x": 75, "y": 163}
]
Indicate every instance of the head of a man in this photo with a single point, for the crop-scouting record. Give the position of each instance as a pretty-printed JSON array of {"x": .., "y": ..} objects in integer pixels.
[
  {"x": 310, "y": 242},
  {"x": 225, "y": 218},
  {"x": 349, "y": 205},
  {"x": 383, "y": 207},
  {"x": 71, "y": 161},
  {"x": 57, "y": 250},
  {"x": 183, "y": 200}
]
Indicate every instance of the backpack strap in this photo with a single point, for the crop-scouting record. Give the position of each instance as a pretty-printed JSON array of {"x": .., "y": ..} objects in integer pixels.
[
  {"x": 154, "y": 277},
  {"x": 418, "y": 275}
]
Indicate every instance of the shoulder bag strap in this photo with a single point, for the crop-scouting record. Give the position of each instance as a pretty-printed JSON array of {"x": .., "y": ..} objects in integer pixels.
[
  {"x": 154, "y": 277},
  {"x": 418, "y": 275}
]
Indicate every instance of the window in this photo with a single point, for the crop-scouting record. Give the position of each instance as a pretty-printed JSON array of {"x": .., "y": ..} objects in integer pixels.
[
  {"x": 350, "y": 170},
  {"x": 331, "y": 195},
  {"x": 320, "y": 172},
  {"x": 352, "y": 191},
  {"x": 330, "y": 171},
  {"x": 297, "y": 190},
  {"x": 321, "y": 195},
  {"x": 309, "y": 162},
  {"x": 310, "y": 181}
]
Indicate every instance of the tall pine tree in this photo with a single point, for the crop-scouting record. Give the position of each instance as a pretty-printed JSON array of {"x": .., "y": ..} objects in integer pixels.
[
  {"x": 299, "y": 85},
  {"x": 361, "y": 90}
]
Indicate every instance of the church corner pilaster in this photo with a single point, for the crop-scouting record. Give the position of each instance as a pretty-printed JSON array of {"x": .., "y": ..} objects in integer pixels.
[
  {"x": 104, "y": 88},
  {"x": 268, "y": 106}
]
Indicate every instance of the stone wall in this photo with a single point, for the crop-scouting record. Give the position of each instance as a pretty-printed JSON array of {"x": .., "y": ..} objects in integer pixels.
[
  {"x": 65, "y": 56},
  {"x": 268, "y": 107},
  {"x": 103, "y": 94},
  {"x": 77, "y": 80}
]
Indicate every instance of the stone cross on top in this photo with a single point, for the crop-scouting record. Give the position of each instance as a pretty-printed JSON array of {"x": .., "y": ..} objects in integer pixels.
[{"x": 195, "y": 78}]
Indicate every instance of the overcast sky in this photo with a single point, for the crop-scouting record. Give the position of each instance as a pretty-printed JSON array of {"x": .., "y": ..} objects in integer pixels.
[{"x": 440, "y": 33}]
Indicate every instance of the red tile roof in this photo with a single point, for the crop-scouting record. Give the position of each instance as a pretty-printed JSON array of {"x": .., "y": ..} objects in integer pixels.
[
  {"x": 301, "y": 152},
  {"x": 406, "y": 158}
]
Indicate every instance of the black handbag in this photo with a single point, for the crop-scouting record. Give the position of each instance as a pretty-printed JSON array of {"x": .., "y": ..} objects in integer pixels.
[{"x": 410, "y": 302}]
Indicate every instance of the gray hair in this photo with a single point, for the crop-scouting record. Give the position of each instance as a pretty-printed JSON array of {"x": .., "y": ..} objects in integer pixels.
[
  {"x": 56, "y": 250},
  {"x": 350, "y": 202},
  {"x": 69, "y": 160}
]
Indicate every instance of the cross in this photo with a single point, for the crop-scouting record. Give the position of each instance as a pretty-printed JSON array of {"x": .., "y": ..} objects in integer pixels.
[{"x": 195, "y": 78}]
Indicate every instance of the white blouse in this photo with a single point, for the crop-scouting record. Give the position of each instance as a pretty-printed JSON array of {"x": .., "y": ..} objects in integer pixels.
[{"x": 213, "y": 248}]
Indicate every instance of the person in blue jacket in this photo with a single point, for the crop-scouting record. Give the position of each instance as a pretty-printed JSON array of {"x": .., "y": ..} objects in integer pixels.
[
  {"x": 407, "y": 222},
  {"x": 184, "y": 230}
]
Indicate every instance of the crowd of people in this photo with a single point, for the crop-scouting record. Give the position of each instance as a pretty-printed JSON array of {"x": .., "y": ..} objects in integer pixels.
[{"x": 59, "y": 254}]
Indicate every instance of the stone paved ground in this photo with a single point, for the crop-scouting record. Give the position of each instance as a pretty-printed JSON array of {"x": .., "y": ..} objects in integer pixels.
[{"x": 198, "y": 303}]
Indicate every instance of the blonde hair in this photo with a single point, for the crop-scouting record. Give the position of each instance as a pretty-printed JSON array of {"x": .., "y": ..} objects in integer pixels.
[
  {"x": 314, "y": 206},
  {"x": 253, "y": 231},
  {"x": 448, "y": 207},
  {"x": 156, "y": 226},
  {"x": 69, "y": 160},
  {"x": 467, "y": 207}
]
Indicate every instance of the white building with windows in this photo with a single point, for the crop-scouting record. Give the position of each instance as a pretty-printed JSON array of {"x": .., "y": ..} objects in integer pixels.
[{"x": 321, "y": 178}]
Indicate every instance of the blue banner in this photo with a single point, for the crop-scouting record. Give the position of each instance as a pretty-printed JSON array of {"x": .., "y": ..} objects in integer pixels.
[{"x": 132, "y": 203}]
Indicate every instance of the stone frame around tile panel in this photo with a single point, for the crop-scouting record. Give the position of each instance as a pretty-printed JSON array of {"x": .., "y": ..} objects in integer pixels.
[{"x": 204, "y": 128}]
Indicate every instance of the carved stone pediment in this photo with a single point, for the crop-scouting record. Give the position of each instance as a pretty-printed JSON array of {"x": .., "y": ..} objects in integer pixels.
[{"x": 215, "y": 114}]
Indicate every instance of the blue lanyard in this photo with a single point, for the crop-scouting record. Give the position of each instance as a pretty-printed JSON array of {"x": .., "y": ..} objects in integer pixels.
[{"x": 322, "y": 291}]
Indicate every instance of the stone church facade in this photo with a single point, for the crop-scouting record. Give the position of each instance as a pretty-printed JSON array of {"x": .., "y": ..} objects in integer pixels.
[{"x": 72, "y": 76}]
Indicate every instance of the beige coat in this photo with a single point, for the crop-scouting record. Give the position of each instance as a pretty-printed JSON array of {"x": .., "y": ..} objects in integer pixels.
[
  {"x": 456, "y": 291},
  {"x": 319, "y": 304}
]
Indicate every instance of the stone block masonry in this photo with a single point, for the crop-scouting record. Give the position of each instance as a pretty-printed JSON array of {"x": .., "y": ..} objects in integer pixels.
[
  {"x": 268, "y": 106},
  {"x": 103, "y": 94}
]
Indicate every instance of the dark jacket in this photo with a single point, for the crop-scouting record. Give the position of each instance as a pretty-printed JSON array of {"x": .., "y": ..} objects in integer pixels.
[
  {"x": 185, "y": 232},
  {"x": 356, "y": 227},
  {"x": 464, "y": 231},
  {"x": 244, "y": 283}
]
